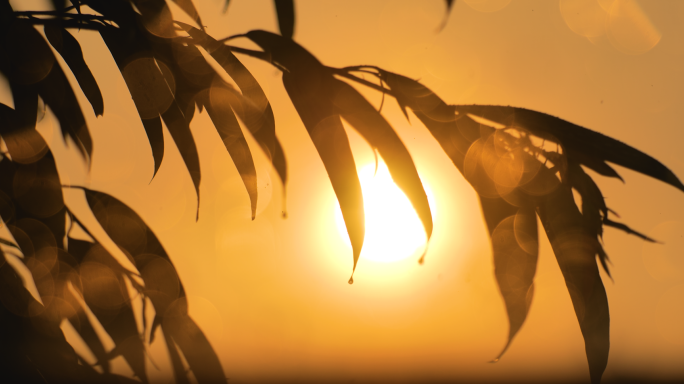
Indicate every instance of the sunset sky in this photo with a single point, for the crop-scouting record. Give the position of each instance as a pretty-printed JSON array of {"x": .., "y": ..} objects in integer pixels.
[{"x": 272, "y": 294}]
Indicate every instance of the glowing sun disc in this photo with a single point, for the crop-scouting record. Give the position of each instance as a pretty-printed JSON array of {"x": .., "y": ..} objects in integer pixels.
[{"x": 393, "y": 229}]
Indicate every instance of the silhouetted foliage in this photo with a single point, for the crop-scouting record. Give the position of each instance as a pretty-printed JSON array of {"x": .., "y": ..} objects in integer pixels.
[{"x": 523, "y": 164}]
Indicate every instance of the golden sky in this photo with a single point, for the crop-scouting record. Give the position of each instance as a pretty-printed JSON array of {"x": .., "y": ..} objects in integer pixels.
[{"x": 272, "y": 294}]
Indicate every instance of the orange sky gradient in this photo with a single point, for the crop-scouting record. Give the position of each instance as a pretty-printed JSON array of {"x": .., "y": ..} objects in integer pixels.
[{"x": 272, "y": 294}]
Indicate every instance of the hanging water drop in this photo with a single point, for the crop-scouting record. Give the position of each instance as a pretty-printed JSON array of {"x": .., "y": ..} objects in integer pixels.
[{"x": 351, "y": 280}]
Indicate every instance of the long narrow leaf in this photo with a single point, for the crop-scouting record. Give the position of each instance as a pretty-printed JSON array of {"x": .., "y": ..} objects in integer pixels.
[
  {"x": 70, "y": 49},
  {"x": 576, "y": 249},
  {"x": 218, "y": 102},
  {"x": 328, "y": 135},
  {"x": 316, "y": 80},
  {"x": 163, "y": 285},
  {"x": 257, "y": 113},
  {"x": 286, "y": 17},
  {"x": 576, "y": 139},
  {"x": 513, "y": 234},
  {"x": 33, "y": 66}
]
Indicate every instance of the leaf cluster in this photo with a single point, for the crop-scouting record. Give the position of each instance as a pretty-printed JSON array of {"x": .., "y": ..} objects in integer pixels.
[{"x": 523, "y": 164}]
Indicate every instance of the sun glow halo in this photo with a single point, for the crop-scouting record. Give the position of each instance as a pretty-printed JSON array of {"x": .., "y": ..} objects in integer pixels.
[{"x": 393, "y": 230}]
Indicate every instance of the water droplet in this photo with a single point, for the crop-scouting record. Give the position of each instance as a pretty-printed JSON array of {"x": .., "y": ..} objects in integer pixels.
[
  {"x": 495, "y": 361},
  {"x": 284, "y": 215},
  {"x": 351, "y": 280},
  {"x": 421, "y": 260}
]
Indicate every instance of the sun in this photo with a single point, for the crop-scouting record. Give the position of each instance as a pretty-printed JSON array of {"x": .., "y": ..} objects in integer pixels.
[{"x": 393, "y": 230}]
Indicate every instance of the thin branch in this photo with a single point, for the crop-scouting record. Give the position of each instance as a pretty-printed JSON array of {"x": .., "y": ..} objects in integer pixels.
[
  {"x": 257, "y": 54},
  {"x": 94, "y": 26},
  {"x": 73, "y": 16},
  {"x": 343, "y": 73}
]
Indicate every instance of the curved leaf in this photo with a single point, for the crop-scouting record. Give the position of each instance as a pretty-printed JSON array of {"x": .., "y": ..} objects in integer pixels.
[
  {"x": 286, "y": 17},
  {"x": 328, "y": 135},
  {"x": 576, "y": 250},
  {"x": 218, "y": 101},
  {"x": 155, "y": 135},
  {"x": 70, "y": 49},
  {"x": 316, "y": 81},
  {"x": 188, "y": 7},
  {"x": 513, "y": 234},
  {"x": 131, "y": 233},
  {"x": 576, "y": 139},
  {"x": 33, "y": 68},
  {"x": 256, "y": 113}
]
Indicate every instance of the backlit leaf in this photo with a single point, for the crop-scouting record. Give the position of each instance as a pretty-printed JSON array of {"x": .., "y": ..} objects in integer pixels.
[
  {"x": 256, "y": 113},
  {"x": 328, "y": 135},
  {"x": 315, "y": 80},
  {"x": 513, "y": 234},
  {"x": 576, "y": 139},
  {"x": 70, "y": 49},
  {"x": 576, "y": 250},
  {"x": 286, "y": 17},
  {"x": 171, "y": 315},
  {"x": 218, "y": 101}
]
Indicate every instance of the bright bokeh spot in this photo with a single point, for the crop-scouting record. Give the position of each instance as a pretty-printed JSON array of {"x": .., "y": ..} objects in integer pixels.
[{"x": 393, "y": 229}]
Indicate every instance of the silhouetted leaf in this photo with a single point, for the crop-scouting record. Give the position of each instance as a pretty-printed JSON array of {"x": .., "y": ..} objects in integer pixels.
[
  {"x": 105, "y": 293},
  {"x": 188, "y": 7},
  {"x": 70, "y": 49},
  {"x": 454, "y": 136},
  {"x": 153, "y": 96},
  {"x": 513, "y": 233},
  {"x": 328, "y": 135},
  {"x": 218, "y": 100},
  {"x": 8, "y": 243},
  {"x": 286, "y": 17},
  {"x": 34, "y": 68},
  {"x": 256, "y": 111},
  {"x": 155, "y": 135},
  {"x": 35, "y": 349},
  {"x": 32, "y": 345},
  {"x": 576, "y": 249},
  {"x": 313, "y": 78},
  {"x": 159, "y": 276},
  {"x": 151, "y": 90},
  {"x": 449, "y": 5},
  {"x": 577, "y": 141}
]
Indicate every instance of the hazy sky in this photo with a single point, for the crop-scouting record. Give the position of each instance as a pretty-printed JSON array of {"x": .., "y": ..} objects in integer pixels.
[{"x": 272, "y": 294}]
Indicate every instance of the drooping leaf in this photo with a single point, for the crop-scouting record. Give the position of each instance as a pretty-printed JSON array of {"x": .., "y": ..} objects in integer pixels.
[
  {"x": 24, "y": 144},
  {"x": 453, "y": 135},
  {"x": 328, "y": 135},
  {"x": 218, "y": 100},
  {"x": 577, "y": 140},
  {"x": 32, "y": 347},
  {"x": 178, "y": 368},
  {"x": 105, "y": 293},
  {"x": 8, "y": 243},
  {"x": 33, "y": 69},
  {"x": 449, "y": 5},
  {"x": 286, "y": 17},
  {"x": 188, "y": 7},
  {"x": 315, "y": 79},
  {"x": 280, "y": 166},
  {"x": 576, "y": 250},
  {"x": 70, "y": 49},
  {"x": 155, "y": 135},
  {"x": 131, "y": 233},
  {"x": 150, "y": 87},
  {"x": 513, "y": 234},
  {"x": 255, "y": 111},
  {"x": 153, "y": 97}
]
